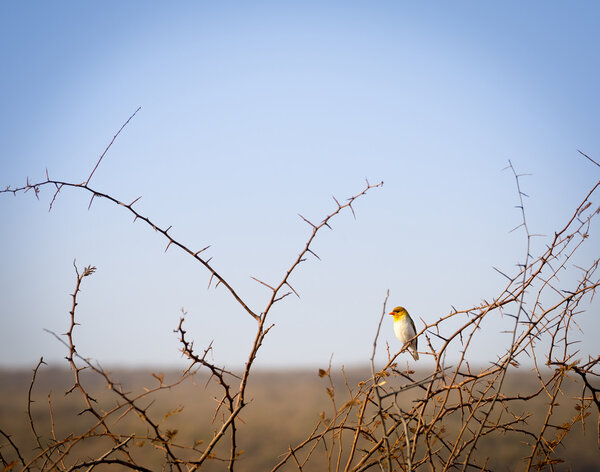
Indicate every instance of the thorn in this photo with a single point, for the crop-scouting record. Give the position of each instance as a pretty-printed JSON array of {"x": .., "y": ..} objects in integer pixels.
[
  {"x": 352, "y": 210},
  {"x": 261, "y": 282},
  {"x": 438, "y": 335},
  {"x": 314, "y": 227},
  {"x": 292, "y": 289},
  {"x": 170, "y": 242},
  {"x": 134, "y": 201},
  {"x": 588, "y": 157},
  {"x": 201, "y": 250},
  {"x": 282, "y": 297},
  {"x": 309, "y": 250},
  {"x": 502, "y": 273},
  {"x": 515, "y": 228}
]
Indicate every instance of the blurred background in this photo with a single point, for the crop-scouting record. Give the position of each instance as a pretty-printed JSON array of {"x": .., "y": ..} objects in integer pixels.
[{"x": 253, "y": 112}]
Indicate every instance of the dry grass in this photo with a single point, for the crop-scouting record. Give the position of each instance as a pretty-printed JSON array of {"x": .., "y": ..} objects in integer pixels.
[{"x": 283, "y": 407}]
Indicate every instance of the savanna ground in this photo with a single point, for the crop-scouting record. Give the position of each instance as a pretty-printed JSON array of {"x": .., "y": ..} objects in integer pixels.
[{"x": 283, "y": 407}]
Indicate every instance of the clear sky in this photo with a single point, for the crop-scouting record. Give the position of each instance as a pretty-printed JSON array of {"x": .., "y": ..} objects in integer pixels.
[{"x": 253, "y": 112}]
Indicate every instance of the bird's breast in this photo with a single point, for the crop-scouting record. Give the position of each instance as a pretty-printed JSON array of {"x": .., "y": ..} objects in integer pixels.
[{"x": 403, "y": 330}]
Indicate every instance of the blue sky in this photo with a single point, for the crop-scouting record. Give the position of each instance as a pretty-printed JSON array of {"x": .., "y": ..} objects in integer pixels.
[{"x": 253, "y": 112}]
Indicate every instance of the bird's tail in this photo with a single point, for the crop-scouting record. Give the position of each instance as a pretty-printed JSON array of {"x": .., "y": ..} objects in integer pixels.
[{"x": 415, "y": 355}]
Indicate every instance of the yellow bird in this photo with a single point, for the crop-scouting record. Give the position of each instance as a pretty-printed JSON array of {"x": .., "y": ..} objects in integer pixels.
[{"x": 405, "y": 331}]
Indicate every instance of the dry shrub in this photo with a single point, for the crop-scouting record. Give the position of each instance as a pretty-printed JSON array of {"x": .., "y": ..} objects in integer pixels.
[{"x": 449, "y": 417}]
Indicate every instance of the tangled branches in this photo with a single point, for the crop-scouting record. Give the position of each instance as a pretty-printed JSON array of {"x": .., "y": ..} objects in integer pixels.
[
  {"x": 397, "y": 420},
  {"x": 394, "y": 419},
  {"x": 58, "y": 453}
]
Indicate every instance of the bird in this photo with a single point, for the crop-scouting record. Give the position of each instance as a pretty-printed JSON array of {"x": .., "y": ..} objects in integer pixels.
[{"x": 405, "y": 331}]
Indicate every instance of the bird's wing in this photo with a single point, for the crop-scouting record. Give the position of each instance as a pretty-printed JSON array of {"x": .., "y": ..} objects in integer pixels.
[{"x": 412, "y": 324}]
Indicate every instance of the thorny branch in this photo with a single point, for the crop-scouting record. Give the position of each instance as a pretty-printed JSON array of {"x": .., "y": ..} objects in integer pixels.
[
  {"x": 456, "y": 408},
  {"x": 396, "y": 419},
  {"x": 233, "y": 400}
]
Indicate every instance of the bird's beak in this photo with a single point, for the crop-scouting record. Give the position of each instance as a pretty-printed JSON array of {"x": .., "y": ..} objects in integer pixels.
[{"x": 391, "y": 313}]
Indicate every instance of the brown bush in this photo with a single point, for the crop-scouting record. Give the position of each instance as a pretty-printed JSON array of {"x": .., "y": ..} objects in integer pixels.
[{"x": 391, "y": 418}]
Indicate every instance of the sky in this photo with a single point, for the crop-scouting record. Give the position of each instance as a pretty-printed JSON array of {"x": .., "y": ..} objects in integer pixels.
[{"x": 254, "y": 112}]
